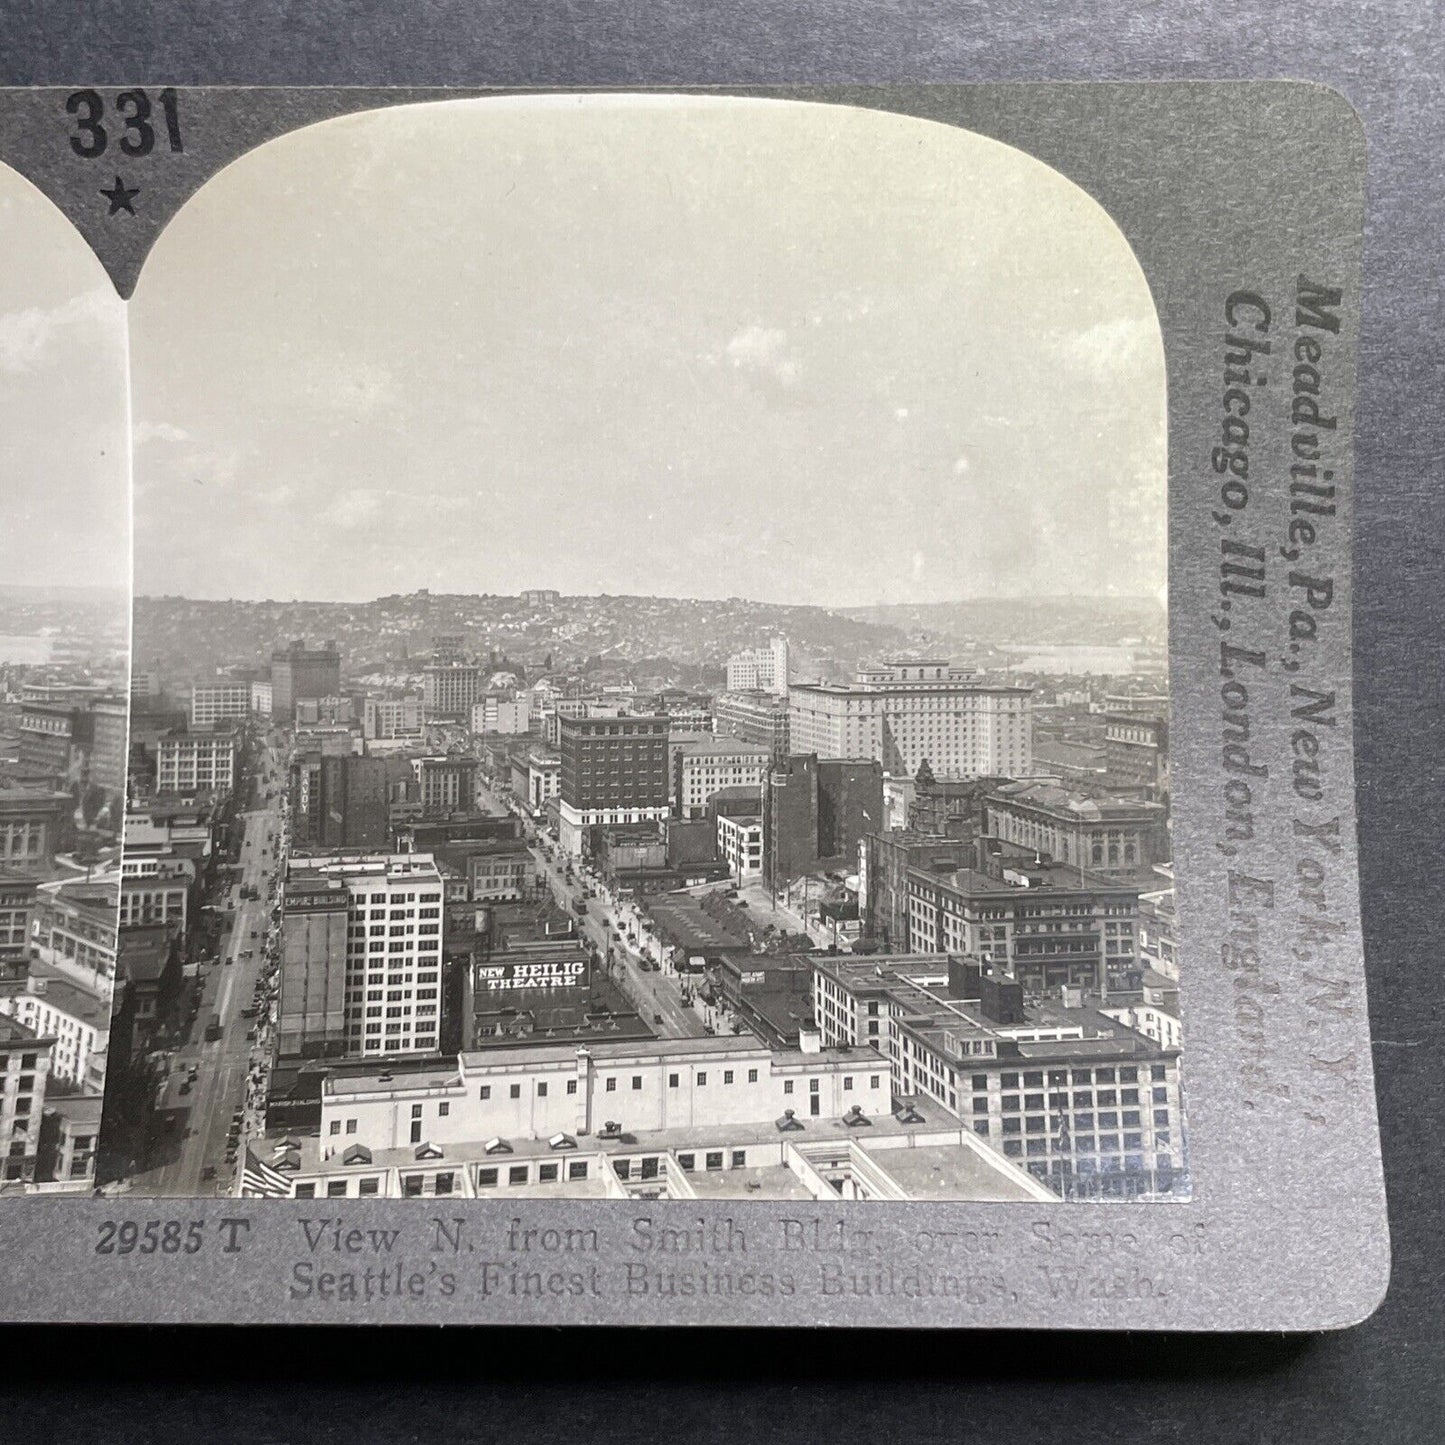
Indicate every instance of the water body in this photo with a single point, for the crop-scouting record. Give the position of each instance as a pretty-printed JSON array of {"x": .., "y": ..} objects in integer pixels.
[
  {"x": 1079, "y": 658},
  {"x": 32, "y": 651}
]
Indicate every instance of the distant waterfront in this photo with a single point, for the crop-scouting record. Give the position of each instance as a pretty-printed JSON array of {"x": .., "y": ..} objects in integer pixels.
[{"x": 1079, "y": 659}]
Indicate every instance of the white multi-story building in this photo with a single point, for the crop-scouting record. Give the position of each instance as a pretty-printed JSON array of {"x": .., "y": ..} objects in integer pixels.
[
  {"x": 704, "y": 767},
  {"x": 760, "y": 669},
  {"x": 511, "y": 716},
  {"x": 393, "y": 717},
  {"x": 261, "y": 697},
  {"x": 195, "y": 763},
  {"x": 215, "y": 702},
  {"x": 155, "y": 888},
  {"x": 78, "y": 1021},
  {"x": 393, "y": 949},
  {"x": 903, "y": 713},
  {"x": 740, "y": 845}
]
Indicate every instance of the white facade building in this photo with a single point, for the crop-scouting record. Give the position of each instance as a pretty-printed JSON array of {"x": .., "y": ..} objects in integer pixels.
[
  {"x": 740, "y": 845},
  {"x": 387, "y": 718},
  {"x": 393, "y": 963},
  {"x": 902, "y": 713},
  {"x": 511, "y": 716},
  {"x": 219, "y": 702},
  {"x": 195, "y": 763},
  {"x": 760, "y": 669},
  {"x": 706, "y": 766}
]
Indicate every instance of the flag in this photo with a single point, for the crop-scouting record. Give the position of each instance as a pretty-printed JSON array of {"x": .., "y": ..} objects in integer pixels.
[{"x": 261, "y": 1181}]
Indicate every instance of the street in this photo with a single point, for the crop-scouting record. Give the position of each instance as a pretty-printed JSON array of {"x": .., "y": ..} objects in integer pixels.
[{"x": 228, "y": 986}]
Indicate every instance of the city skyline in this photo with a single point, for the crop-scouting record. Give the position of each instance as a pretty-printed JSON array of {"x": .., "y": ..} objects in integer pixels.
[{"x": 819, "y": 354}]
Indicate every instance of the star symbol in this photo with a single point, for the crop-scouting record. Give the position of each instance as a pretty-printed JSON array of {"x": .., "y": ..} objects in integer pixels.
[{"x": 121, "y": 197}]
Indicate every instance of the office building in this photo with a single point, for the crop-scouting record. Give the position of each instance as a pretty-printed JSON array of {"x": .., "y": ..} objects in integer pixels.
[
  {"x": 613, "y": 770},
  {"x": 450, "y": 690},
  {"x": 189, "y": 763},
  {"x": 1136, "y": 745},
  {"x": 760, "y": 669},
  {"x": 74, "y": 931},
  {"x": 388, "y": 718},
  {"x": 262, "y": 698},
  {"x": 156, "y": 888},
  {"x": 78, "y": 1022},
  {"x": 1089, "y": 1105},
  {"x": 706, "y": 766},
  {"x": 311, "y": 1016},
  {"x": 17, "y": 908},
  {"x": 393, "y": 949},
  {"x": 885, "y": 860},
  {"x": 299, "y": 672},
  {"x": 219, "y": 702},
  {"x": 903, "y": 714},
  {"x": 24, "y": 1073},
  {"x": 815, "y": 813},
  {"x": 448, "y": 785},
  {"x": 500, "y": 714},
  {"x": 1115, "y": 837},
  {"x": 1049, "y": 926},
  {"x": 35, "y": 825}
]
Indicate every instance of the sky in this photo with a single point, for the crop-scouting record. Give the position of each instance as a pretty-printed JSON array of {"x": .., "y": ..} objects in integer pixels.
[
  {"x": 63, "y": 425},
  {"x": 683, "y": 346}
]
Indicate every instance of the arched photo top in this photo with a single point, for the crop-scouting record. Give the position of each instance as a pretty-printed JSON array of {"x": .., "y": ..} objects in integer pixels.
[{"x": 668, "y": 344}]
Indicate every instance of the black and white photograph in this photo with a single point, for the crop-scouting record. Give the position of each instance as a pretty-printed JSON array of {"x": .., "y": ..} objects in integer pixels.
[
  {"x": 650, "y": 670},
  {"x": 64, "y": 625}
]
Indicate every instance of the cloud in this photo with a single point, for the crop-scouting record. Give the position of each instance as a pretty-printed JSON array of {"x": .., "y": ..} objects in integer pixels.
[
  {"x": 1110, "y": 346},
  {"x": 157, "y": 431},
  {"x": 26, "y": 335},
  {"x": 762, "y": 349}
]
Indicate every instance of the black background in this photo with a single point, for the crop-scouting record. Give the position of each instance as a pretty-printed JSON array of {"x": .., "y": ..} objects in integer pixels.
[{"x": 1381, "y": 1382}]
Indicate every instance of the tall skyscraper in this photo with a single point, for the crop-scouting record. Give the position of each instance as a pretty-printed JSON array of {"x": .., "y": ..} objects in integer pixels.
[{"x": 614, "y": 770}]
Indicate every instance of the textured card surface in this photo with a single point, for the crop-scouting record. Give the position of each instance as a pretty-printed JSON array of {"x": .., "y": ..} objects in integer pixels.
[{"x": 716, "y": 706}]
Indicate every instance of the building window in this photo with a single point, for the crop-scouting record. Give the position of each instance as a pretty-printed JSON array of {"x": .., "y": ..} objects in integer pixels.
[
  {"x": 517, "y": 1174},
  {"x": 336, "y": 1126},
  {"x": 672, "y": 1081},
  {"x": 637, "y": 1081},
  {"x": 847, "y": 1083},
  {"x": 368, "y": 1186},
  {"x": 516, "y": 1091},
  {"x": 486, "y": 1091},
  {"x": 714, "y": 1159},
  {"x": 416, "y": 1111},
  {"x": 787, "y": 1086},
  {"x": 443, "y": 1110},
  {"x": 701, "y": 1080},
  {"x": 576, "y": 1169},
  {"x": 752, "y": 1076},
  {"x": 305, "y": 1191},
  {"x": 546, "y": 1174},
  {"x": 571, "y": 1086},
  {"x": 612, "y": 1086},
  {"x": 351, "y": 1126},
  {"x": 687, "y": 1162},
  {"x": 727, "y": 1076}
]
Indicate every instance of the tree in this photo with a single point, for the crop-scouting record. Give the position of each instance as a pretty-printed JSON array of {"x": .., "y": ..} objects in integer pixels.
[{"x": 924, "y": 777}]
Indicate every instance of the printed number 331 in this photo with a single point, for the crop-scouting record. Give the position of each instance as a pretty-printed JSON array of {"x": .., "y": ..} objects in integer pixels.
[{"x": 133, "y": 112}]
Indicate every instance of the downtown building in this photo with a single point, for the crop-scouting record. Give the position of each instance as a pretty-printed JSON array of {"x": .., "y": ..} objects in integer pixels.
[
  {"x": 190, "y": 762},
  {"x": 361, "y": 956},
  {"x": 760, "y": 669},
  {"x": 815, "y": 812},
  {"x": 389, "y": 718},
  {"x": 1136, "y": 745},
  {"x": 904, "y": 714},
  {"x": 450, "y": 690},
  {"x": 759, "y": 718},
  {"x": 219, "y": 702},
  {"x": 705, "y": 766},
  {"x": 301, "y": 672},
  {"x": 1091, "y": 1107},
  {"x": 613, "y": 770},
  {"x": 1050, "y": 927},
  {"x": 25, "y": 1058},
  {"x": 1115, "y": 837}
]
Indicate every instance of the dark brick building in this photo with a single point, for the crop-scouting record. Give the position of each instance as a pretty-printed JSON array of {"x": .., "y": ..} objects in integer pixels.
[
  {"x": 816, "y": 811},
  {"x": 614, "y": 770}
]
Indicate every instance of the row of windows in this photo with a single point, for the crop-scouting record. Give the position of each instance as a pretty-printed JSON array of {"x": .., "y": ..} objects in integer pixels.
[{"x": 1103, "y": 1074}]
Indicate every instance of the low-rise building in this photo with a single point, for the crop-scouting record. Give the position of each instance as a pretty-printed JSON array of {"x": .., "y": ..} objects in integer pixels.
[
  {"x": 1116, "y": 837},
  {"x": 1091, "y": 1106},
  {"x": 74, "y": 931},
  {"x": 740, "y": 845}
]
